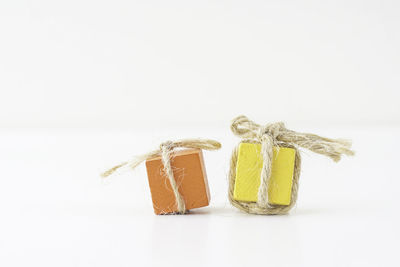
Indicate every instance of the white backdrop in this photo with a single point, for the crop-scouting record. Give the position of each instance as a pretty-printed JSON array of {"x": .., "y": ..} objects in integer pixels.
[
  {"x": 86, "y": 84},
  {"x": 86, "y": 63}
]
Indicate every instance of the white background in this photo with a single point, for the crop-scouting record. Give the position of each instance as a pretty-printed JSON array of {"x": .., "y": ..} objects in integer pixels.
[{"x": 86, "y": 84}]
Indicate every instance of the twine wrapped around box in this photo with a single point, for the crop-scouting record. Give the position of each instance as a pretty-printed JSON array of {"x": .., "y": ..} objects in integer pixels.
[
  {"x": 165, "y": 151},
  {"x": 276, "y": 135}
]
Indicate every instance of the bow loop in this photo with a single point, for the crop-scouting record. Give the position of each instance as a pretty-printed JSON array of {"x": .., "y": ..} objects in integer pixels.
[
  {"x": 245, "y": 128},
  {"x": 206, "y": 144},
  {"x": 167, "y": 147},
  {"x": 333, "y": 148}
]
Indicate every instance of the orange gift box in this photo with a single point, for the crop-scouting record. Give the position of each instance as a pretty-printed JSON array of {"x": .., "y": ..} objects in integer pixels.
[{"x": 190, "y": 176}]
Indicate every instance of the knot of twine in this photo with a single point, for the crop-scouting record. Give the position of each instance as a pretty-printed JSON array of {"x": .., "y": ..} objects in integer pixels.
[
  {"x": 276, "y": 134},
  {"x": 165, "y": 151}
]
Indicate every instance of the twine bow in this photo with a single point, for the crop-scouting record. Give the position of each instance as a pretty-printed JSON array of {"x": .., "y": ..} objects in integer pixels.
[
  {"x": 165, "y": 151},
  {"x": 274, "y": 134}
]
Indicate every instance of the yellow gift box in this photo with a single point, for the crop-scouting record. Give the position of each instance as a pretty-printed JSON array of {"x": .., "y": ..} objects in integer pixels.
[{"x": 248, "y": 173}]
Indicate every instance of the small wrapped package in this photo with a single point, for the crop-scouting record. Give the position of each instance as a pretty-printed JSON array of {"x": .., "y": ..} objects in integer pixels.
[
  {"x": 265, "y": 166},
  {"x": 189, "y": 173},
  {"x": 176, "y": 173}
]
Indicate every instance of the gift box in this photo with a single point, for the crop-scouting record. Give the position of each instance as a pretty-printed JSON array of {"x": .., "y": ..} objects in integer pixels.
[
  {"x": 190, "y": 176},
  {"x": 176, "y": 174},
  {"x": 248, "y": 174},
  {"x": 265, "y": 166}
]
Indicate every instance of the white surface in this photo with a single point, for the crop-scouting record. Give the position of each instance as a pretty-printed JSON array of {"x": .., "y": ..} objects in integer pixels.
[
  {"x": 99, "y": 63},
  {"x": 56, "y": 211}
]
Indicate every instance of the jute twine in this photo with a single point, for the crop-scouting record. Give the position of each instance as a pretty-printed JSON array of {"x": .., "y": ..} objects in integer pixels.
[
  {"x": 276, "y": 135},
  {"x": 165, "y": 151}
]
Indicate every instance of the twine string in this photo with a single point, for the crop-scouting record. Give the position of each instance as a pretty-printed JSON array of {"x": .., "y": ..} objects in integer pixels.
[
  {"x": 276, "y": 134},
  {"x": 165, "y": 151}
]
